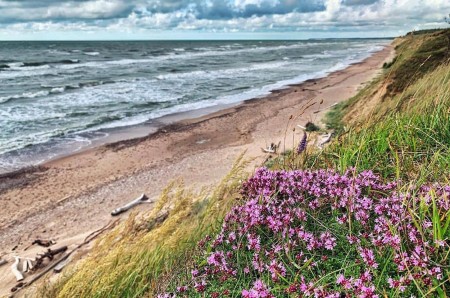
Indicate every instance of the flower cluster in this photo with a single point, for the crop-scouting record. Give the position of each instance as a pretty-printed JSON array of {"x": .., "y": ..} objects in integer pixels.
[{"x": 323, "y": 234}]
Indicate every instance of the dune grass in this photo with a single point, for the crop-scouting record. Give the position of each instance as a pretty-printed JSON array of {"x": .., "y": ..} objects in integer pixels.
[{"x": 412, "y": 142}]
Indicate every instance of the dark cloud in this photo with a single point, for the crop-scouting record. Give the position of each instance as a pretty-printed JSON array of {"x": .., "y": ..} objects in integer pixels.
[
  {"x": 359, "y": 2},
  {"x": 27, "y": 10},
  {"x": 221, "y": 10}
]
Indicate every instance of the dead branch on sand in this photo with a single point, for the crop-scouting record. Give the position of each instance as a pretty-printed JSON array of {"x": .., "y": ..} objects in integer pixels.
[
  {"x": 15, "y": 269},
  {"x": 142, "y": 199}
]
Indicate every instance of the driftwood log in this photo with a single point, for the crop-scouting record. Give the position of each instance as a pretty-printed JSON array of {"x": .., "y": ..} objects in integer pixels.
[
  {"x": 60, "y": 266},
  {"x": 3, "y": 262},
  {"x": 272, "y": 148},
  {"x": 141, "y": 199},
  {"x": 50, "y": 255},
  {"x": 324, "y": 139},
  {"x": 30, "y": 264},
  {"x": 15, "y": 269},
  {"x": 43, "y": 243}
]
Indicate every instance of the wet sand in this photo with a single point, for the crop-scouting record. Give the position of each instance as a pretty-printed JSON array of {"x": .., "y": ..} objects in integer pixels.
[{"x": 67, "y": 198}]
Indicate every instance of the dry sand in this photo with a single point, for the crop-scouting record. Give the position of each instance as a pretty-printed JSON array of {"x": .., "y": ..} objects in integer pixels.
[{"x": 67, "y": 198}]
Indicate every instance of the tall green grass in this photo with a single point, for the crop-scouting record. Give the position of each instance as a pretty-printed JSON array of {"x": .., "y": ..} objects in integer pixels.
[{"x": 411, "y": 141}]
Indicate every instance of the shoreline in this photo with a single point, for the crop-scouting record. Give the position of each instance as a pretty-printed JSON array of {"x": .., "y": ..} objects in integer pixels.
[
  {"x": 70, "y": 196},
  {"x": 38, "y": 155}
]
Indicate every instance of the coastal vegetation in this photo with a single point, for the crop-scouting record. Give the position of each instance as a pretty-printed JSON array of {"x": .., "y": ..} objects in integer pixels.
[{"x": 367, "y": 216}]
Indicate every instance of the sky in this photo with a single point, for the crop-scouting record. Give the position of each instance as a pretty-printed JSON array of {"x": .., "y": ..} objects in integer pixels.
[{"x": 216, "y": 19}]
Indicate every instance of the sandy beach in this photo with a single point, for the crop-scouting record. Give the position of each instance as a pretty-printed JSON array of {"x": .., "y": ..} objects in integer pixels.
[{"x": 68, "y": 198}]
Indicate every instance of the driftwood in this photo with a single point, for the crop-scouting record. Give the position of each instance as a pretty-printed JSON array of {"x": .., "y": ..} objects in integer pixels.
[
  {"x": 272, "y": 148},
  {"x": 15, "y": 269},
  {"x": 17, "y": 287},
  {"x": 50, "y": 255},
  {"x": 142, "y": 199},
  {"x": 87, "y": 240},
  {"x": 60, "y": 266},
  {"x": 30, "y": 264},
  {"x": 324, "y": 139},
  {"x": 43, "y": 243},
  {"x": 24, "y": 266},
  {"x": 3, "y": 262}
]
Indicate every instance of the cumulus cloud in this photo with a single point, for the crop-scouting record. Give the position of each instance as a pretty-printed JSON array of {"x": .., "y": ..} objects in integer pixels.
[{"x": 221, "y": 15}]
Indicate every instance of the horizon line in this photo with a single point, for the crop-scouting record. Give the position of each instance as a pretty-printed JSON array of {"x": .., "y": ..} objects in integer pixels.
[{"x": 219, "y": 39}]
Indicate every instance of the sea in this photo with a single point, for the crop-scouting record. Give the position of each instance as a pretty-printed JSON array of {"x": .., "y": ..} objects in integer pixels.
[{"x": 57, "y": 98}]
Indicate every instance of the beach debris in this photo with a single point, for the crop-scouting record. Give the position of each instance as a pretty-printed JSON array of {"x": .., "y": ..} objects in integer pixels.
[
  {"x": 30, "y": 263},
  {"x": 64, "y": 258},
  {"x": 272, "y": 148},
  {"x": 18, "y": 286},
  {"x": 59, "y": 267},
  {"x": 49, "y": 254},
  {"x": 15, "y": 269},
  {"x": 140, "y": 200},
  {"x": 25, "y": 266},
  {"x": 323, "y": 139},
  {"x": 203, "y": 141},
  {"x": 3, "y": 262},
  {"x": 43, "y": 243}
]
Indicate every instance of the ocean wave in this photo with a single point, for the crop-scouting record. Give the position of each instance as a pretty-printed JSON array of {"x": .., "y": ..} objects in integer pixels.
[
  {"x": 5, "y": 99},
  {"x": 53, "y": 90},
  {"x": 41, "y": 63},
  {"x": 91, "y": 53},
  {"x": 197, "y": 53},
  {"x": 222, "y": 72},
  {"x": 57, "y": 90}
]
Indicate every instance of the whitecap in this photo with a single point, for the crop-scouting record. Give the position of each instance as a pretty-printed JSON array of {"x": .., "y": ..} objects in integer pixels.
[{"x": 92, "y": 53}]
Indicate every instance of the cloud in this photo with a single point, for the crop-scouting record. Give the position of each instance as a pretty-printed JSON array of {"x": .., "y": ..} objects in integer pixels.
[
  {"x": 358, "y": 2},
  {"x": 15, "y": 11},
  {"x": 220, "y": 15}
]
